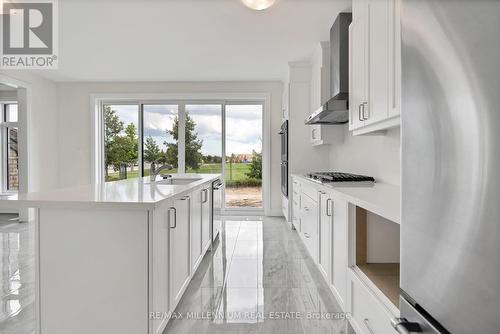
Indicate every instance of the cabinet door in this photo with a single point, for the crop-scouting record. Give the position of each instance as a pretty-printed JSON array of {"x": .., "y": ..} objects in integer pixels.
[
  {"x": 325, "y": 235},
  {"x": 395, "y": 57},
  {"x": 195, "y": 221},
  {"x": 179, "y": 249},
  {"x": 309, "y": 225},
  {"x": 160, "y": 267},
  {"x": 376, "y": 107},
  {"x": 357, "y": 71},
  {"x": 340, "y": 249},
  {"x": 205, "y": 219}
]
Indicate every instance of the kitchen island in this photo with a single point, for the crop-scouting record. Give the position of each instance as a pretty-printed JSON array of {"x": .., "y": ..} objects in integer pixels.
[{"x": 110, "y": 255}]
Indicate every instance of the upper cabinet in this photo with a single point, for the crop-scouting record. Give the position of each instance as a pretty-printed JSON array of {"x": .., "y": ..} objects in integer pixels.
[{"x": 375, "y": 66}]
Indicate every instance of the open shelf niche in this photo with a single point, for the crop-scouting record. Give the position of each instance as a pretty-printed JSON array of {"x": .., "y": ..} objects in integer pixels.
[{"x": 377, "y": 252}]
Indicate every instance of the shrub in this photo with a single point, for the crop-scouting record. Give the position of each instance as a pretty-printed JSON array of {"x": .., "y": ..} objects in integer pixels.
[{"x": 243, "y": 183}]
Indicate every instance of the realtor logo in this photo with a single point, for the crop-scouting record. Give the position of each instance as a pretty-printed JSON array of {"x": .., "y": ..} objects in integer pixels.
[{"x": 29, "y": 34}]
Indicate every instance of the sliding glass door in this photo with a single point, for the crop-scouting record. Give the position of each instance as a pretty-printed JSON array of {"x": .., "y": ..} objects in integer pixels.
[
  {"x": 243, "y": 143},
  {"x": 160, "y": 124},
  {"x": 203, "y": 138},
  {"x": 121, "y": 154},
  {"x": 192, "y": 137}
]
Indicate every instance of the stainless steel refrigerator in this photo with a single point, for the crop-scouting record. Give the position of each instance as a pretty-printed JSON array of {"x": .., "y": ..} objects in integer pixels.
[{"x": 450, "y": 228}]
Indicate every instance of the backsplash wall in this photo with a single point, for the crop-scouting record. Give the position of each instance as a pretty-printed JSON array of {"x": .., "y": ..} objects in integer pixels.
[{"x": 374, "y": 155}]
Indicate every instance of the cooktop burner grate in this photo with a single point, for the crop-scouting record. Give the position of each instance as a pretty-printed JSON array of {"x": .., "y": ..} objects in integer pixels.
[{"x": 339, "y": 177}]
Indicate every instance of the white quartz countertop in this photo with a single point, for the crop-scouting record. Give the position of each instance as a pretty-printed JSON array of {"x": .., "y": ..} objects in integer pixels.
[
  {"x": 137, "y": 193},
  {"x": 380, "y": 198}
]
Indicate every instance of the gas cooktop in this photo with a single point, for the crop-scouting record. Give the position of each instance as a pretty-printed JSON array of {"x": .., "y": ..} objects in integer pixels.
[{"x": 325, "y": 177}]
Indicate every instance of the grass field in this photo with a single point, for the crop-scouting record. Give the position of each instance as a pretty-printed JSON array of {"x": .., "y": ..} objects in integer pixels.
[{"x": 235, "y": 174}]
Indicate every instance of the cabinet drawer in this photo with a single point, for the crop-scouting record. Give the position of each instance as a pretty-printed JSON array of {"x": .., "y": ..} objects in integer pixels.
[
  {"x": 309, "y": 225},
  {"x": 369, "y": 314},
  {"x": 310, "y": 190}
]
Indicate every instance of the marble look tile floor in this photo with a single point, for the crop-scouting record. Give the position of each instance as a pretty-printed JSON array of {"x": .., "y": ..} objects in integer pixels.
[
  {"x": 258, "y": 279},
  {"x": 17, "y": 277},
  {"x": 259, "y": 266}
]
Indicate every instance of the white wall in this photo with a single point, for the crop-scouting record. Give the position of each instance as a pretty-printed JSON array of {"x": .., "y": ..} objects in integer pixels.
[
  {"x": 74, "y": 122},
  {"x": 42, "y": 130},
  {"x": 374, "y": 155}
]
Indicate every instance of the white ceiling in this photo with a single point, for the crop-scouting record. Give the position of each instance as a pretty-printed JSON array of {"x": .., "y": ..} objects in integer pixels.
[{"x": 187, "y": 40}]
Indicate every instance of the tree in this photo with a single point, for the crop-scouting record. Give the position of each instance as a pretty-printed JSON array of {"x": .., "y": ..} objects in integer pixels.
[
  {"x": 113, "y": 126},
  {"x": 131, "y": 151},
  {"x": 120, "y": 143},
  {"x": 152, "y": 152},
  {"x": 256, "y": 166},
  {"x": 194, "y": 158}
]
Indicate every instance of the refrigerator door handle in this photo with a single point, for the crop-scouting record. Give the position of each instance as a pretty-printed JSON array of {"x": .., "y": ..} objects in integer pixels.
[{"x": 403, "y": 326}]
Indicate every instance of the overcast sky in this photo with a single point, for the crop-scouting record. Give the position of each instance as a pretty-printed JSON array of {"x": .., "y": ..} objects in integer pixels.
[{"x": 243, "y": 125}]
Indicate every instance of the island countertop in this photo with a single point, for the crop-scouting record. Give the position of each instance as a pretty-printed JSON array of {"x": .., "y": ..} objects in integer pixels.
[{"x": 139, "y": 193}]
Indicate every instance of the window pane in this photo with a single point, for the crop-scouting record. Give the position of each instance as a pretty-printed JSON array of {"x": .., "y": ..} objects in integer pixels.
[
  {"x": 11, "y": 112},
  {"x": 12, "y": 160},
  {"x": 243, "y": 156},
  {"x": 160, "y": 136},
  {"x": 204, "y": 138},
  {"x": 121, "y": 142}
]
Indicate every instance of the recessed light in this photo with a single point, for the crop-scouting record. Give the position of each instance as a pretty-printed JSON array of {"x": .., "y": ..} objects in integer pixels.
[{"x": 258, "y": 4}]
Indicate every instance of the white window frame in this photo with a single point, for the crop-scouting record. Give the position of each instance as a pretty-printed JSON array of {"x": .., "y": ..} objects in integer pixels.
[
  {"x": 4, "y": 126},
  {"x": 231, "y": 98}
]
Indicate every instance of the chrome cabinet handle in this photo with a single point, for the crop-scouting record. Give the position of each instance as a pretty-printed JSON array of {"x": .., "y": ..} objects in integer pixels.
[
  {"x": 367, "y": 324},
  {"x": 403, "y": 326},
  {"x": 365, "y": 104},
  {"x": 359, "y": 112},
  {"x": 204, "y": 195},
  {"x": 306, "y": 208},
  {"x": 307, "y": 235},
  {"x": 175, "y": 216},
  {"x": 329, "y": 207}
]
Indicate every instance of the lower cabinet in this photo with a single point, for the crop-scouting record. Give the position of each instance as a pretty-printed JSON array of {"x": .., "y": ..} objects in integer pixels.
[
  {"x": 179, "y": 273},
  {"x": 340, "y": 249},
  {"x": 369, "y": 316},
  {"x": 322, "y": 215},
  {"x": 205, "y": 218},
  {"x": 325, "y": 235},
  {"x": 196, "y": 227},
  {"x": 309, "y": 225}
]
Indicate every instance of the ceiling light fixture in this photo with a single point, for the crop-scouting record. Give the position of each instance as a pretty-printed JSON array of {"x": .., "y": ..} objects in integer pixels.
[{"x": 258, "y": 4}]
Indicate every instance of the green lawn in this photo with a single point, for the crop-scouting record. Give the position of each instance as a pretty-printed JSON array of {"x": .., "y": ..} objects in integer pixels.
[{"x": 235, "y": 174}]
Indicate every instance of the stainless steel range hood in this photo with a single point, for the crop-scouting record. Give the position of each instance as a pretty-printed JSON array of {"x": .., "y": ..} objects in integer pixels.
[{"x": 336, "y": 110}]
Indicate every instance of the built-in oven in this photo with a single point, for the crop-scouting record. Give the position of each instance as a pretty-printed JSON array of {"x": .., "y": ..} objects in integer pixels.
[
  {"x": 284, "y": 178},
  {"x": 284, "y": 141}
]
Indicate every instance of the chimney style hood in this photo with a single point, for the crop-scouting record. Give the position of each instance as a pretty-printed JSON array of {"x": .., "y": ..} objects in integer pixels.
[{"x": 336, "y": 110}]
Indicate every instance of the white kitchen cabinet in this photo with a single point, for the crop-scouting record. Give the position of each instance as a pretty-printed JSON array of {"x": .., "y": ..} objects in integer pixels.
[
  {"x": 160, "y": 266},
  {"x": 309, "y": 224},
  {"x": 296, "y": 203},
  {"x": 369, "y": 315},
  {"x": 357, "y": 68},
  {"x": 326, "y": 134},
  {"x": 333, "y": 252},
  {"x": 205, "y": 218},
  {"x": 195, "y": 226},
  {"x": 340, "y": 249},
  {"x": 179, "y": 248},
  {"x": 375, "y": 75},
  {"x": 325, "y": 235}
]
